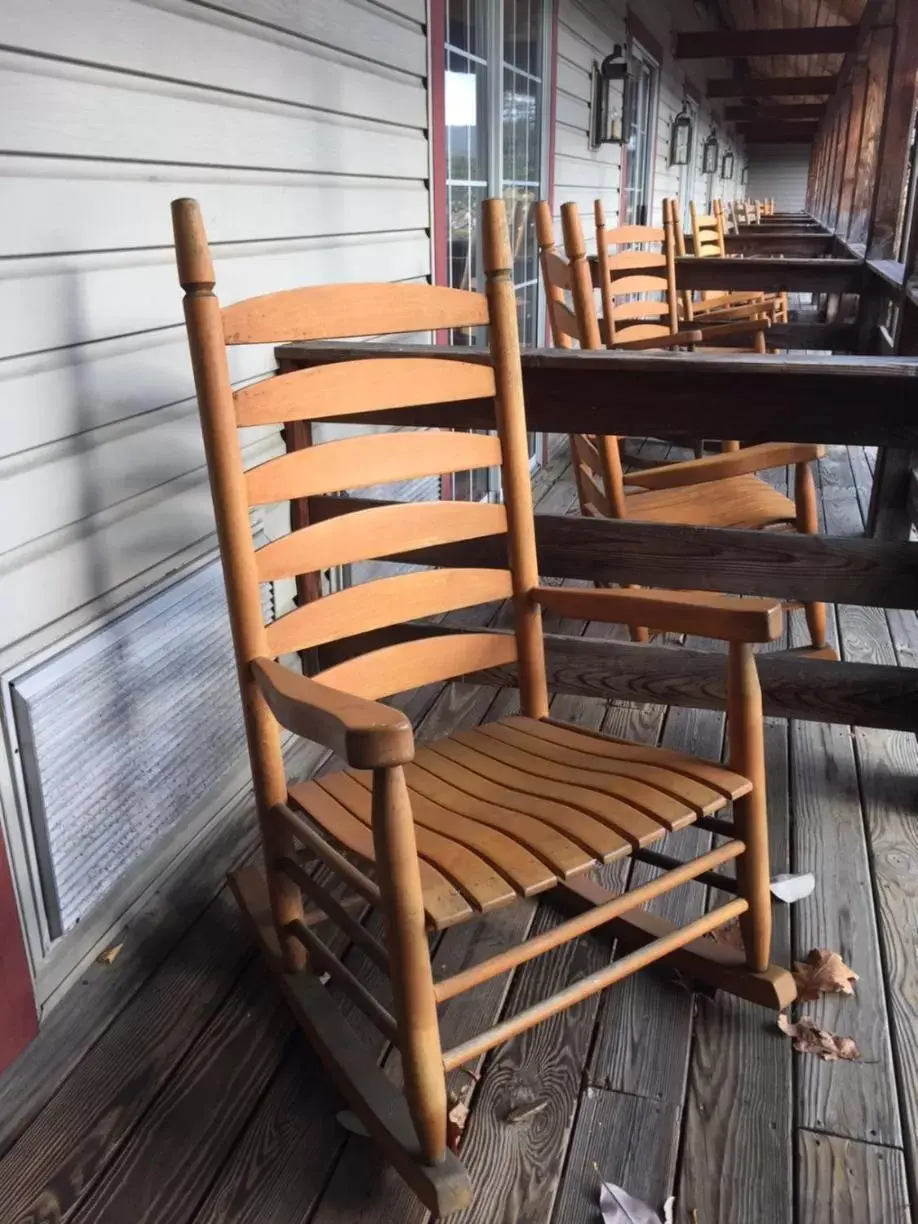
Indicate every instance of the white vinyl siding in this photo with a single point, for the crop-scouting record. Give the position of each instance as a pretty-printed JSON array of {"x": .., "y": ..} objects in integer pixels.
[
  {"x": 301, "y": 128},
  {"x": 779, "y": 172},
  {"x": 587, "y": 32}
]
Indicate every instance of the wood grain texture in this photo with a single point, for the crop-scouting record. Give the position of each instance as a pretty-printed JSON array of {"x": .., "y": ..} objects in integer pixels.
[
  {"x": 780, "y": 564},
  {"x": 351, "y": 463},
  {"x": 648, "y": 1011},
  {"x": 360, "y": 386},
  {"x": 793, "y": 687},
  {"x": 631, "y": 1141},
  {"x": 795, "y": 398},
  {"x": 279, "y": 1167},
  {"x": 385, "y": 601},
  {"x": 842, "y": 1181},
  {"x": 738, "y": 1113},
  {"x": 156, "y": 1174},
  {"x": 328, "y": 312},
  {"x": 102, "y": 1100},
  {"x": 856, "y": 1100}
]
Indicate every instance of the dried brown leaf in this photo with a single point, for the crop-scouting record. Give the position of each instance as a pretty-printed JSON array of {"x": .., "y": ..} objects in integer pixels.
[
  {"x": 108, "y": 956},
  {"x": 456, "y": 1118},
  {"x": 809, "y": 1039},
  {"x": 730, "y": 933},
  {"x": 823, "y": 972}
]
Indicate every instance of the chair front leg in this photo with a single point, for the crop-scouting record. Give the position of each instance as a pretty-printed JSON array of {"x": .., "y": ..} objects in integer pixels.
[
  {"x": 747, "y": 756},
  {"x": 409, "y": 960},
  {"x": 808, "y": 523}
]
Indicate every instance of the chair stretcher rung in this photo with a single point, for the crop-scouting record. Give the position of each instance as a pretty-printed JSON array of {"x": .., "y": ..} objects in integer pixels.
[
  {"x": 595, "y": 982},
  {"x": 587, "y": 921},
  {"x": 339, "y": 972},
  {"x": 666, "y": 862},
  {"x": 336, "y": 912},
  {"x": 336, "y": 862}
]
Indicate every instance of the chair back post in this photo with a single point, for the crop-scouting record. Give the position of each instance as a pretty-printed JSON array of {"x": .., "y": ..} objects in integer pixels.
[
  {"x": 221, "y": 443},
  {"x": 673, "y": 224},
  {"x": 511, "y": 421},
  {"x": 696, "y": 230},
  {"x": 582, "y": 278},
  {"x": 545, "y": 235},
  {"x": 669, "y": 251},
  {"x": 607, "y": 327}
]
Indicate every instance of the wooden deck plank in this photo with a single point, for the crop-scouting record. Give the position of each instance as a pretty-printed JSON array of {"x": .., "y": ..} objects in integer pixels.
[
  {"x": 158, "y": 1175},
  {"x": 280, "y": 1166},
  {"x": 632, "y": 1141},
  {"x": 152, "y": 931},
  {"x": 845, "y": 1182},
  {"x": 75, "y": 1137},
  {"x": 853, "y": 1100},
  {"x": 738, "y": 1117}
]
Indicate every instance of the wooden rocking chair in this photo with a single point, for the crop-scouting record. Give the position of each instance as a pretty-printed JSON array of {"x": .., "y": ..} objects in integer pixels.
[
  {"x": 709, "y": 239},
  {"x": 464, "y": 825},
  {"x": 717, "y": 491}
]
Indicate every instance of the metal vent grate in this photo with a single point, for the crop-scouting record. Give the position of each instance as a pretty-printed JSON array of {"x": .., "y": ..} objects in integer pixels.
[{"x": 123, "y": 734}]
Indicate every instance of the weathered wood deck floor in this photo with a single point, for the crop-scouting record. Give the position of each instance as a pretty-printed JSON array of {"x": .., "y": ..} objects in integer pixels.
[{"x": 171, "y": 1088}]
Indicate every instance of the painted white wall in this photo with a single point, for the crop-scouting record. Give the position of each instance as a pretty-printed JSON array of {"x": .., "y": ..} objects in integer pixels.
[
  {"x": 779, "y": 172},
  {"x": 301, "y": 128},
  {"x": 587, "y": 32}
]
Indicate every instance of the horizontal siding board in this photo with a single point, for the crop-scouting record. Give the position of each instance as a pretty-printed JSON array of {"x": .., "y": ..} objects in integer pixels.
[
  {"x": 81, "y": 112},
  {"x": 571, "y": 112},
  {"x": 56, "y": 301},
  {"x": 584, "y": 172},
  {"x": 195, "y": 51},
  {"x": 65, "y": 206},
  {"x": 574, "y": 80},
  {"x": 366, "y": 30}
]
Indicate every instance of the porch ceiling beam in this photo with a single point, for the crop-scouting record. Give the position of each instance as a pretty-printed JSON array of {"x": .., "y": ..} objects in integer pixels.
[
  {"x": 858, "y": 694},
  {"x": 792, "y": 110},
  {"x": 772, "y": 87},
  {"x": 837, "y": 569},
  {"x": 801, "y": 129},
  {"x": 752, "y": 138},
  {"x": 800, "y": 40}
]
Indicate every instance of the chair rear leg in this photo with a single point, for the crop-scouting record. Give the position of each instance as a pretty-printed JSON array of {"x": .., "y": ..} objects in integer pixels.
[
  {"x": 409, "y": 960},
  {"x": 808, "y": 522}
]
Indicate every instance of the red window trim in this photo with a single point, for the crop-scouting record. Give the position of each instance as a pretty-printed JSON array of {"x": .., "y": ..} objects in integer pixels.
[{"x": 18, "y": 1021}]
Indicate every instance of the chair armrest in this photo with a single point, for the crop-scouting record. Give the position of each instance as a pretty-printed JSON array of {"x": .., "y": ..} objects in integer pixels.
[
  {"x": 728, "y": 301},
  {"x": 726, "y": 617},
  {"x": 720, "y": 467},
  {"x": 368, "y": 734},
  {"x": 660, "y": 342},
  {"x": 739, "y": 327},
  {"x": 747, "y": 311}
]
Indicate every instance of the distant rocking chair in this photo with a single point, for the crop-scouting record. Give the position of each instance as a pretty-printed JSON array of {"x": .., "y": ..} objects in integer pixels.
[
  {"x": 434, "y": 835},
  {"x": 716, "y": 491}
]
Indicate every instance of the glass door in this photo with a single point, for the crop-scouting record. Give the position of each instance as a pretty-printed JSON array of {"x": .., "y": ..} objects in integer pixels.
[
  {"x": 495, "y": 71},
  {"x": 640, "y": 141},
  {"x": 495, "y": 139}
]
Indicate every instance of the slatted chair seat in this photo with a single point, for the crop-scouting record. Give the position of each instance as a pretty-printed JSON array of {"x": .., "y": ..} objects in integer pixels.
[
  {"x": 740, "y": 501},
  {"x": 519, "y": 806}
]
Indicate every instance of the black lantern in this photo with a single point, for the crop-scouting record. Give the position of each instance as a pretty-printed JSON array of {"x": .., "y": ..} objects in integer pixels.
[
  {"x": 710, "y": 154},
  {"x": 680, "y": 139},
  {"x": 607, "y": 124},
  {"x": 726, "y": 169},
  {"x": 744, "y": 175}
]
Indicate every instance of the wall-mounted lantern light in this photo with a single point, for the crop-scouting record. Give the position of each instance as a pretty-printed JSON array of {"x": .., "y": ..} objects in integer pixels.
[
  {"x": 726, "y": 170},
  {"x": 744, "y": 175},
  {"x": 680, "y": 139},
  {"x": 607, "y": 112},
  {"x": 710, "y": 154}
]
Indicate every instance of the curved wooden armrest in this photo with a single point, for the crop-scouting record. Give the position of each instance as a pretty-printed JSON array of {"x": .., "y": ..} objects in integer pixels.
[
  {"x": 692, "y": 336},
  {"x": 728, "y": 300},
  {"x": 368, "y": 734},
  {"x": 726, "y": 617},
  {"x": 719, "y": 467},
  {"x": 739, "y": 327},
  {"x": 767, "y": 307}
]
